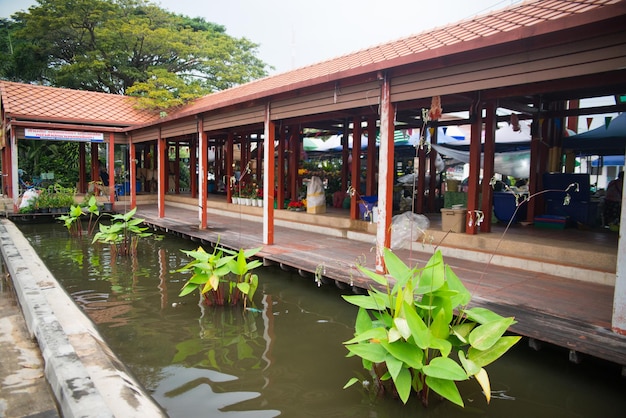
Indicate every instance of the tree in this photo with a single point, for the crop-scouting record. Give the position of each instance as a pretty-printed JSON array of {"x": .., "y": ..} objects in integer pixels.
[{"x": 109, "y": 46}]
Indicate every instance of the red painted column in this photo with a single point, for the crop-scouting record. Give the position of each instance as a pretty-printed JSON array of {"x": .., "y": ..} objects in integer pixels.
[
  {"x": 345, "y": 156},
  {"x": 177, "y": 168},
  {"x": 111, "y": 167},
  {"x": 203, "y": 172},
  {"x": 292, "y": 168},
  {"x": 268, "y": 179},
  {"x": 385, "y": 173},
  {"x": 489, "y": 152},
  {"x": 421, "y": 179},
  {"x": 355, "y": 174},
  {"x": 94, "y": 162},
  {"x": 133, "y": 173},
  {"x": 474, "y": 169},
  {"x": 161, "y": 163}
]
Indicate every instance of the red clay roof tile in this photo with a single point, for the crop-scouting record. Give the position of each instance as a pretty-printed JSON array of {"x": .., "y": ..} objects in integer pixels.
[{"x": 73, "y": 106}]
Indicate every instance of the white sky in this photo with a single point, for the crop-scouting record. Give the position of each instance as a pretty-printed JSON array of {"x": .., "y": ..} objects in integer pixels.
[{"x": 295, "y": 33}]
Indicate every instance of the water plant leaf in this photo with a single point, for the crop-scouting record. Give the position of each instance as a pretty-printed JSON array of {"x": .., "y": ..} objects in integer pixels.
[
  {"x": 484, "y": 336},
  {"x": 470, "y": 367},
  {"x": 462, "y": 331},
  {"x": 445, "y": 388},
  {"x": 393, "y": 335},
  {"x": 419, "y": 330},
  {"x": 440, "y": 326},
  {"x": 483, "y": 380},
  {"x": 444, "y": 346},
  {"x": 482, "y": 315},
  {"x": 378, "y": 278},
  {"x": 486, "y": 357},
  {"x": 403, "y": 327},
  {"x": 463, "y": 296},
  {"x": 444, "y": 368},
  {"x": 405, "y": 352},
  {"x": 243, "y": 287},
  {"x": 396, "y": 267},
  {"x": 363, "y": 321},
  {"x": 371, "y": 352},
  {"x": 403, "y": 384},
  {"x": 432, "y": 276},
  {"x": 376, "y": 334},
  {"x": 363, "y": 301},
  {"x": 350, "y": 382},
  {"x": 187, "y": 289}
]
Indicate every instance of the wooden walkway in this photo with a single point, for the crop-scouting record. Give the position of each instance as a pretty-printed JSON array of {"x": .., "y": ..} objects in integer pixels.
[{"x": 568, "y": 313}]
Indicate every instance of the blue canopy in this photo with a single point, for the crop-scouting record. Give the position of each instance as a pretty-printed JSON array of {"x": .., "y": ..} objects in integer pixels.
[{"x": 605, "y": 140}]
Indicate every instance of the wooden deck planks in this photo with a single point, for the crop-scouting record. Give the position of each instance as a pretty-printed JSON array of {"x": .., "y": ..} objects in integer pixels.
[{"x": 568, "y": 313}]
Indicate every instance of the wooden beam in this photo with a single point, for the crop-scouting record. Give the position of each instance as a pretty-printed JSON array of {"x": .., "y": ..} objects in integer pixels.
[
  {"x": 229, "y": 167},
  {"x": 132, "y": 172},
  {"x": 161, "y": 163},
  {"x": 111, "y": 167},
  {"x": 474, "y": 169},
  {"x": 372, "y": 156},
  {"x": 489, "y": 151}
]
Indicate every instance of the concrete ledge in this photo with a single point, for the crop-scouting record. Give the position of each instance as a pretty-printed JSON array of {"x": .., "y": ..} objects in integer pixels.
[{"x": 87, "y": 379}]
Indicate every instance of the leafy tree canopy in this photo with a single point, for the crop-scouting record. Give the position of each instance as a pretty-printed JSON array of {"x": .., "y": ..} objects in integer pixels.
[{"x": 124, "y": 47}]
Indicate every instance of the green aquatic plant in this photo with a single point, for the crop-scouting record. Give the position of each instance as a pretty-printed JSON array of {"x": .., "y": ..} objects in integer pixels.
[
  {"x": 123, "y": 233},
  {"x": 223, "y": 276},
  {"x": 73, "y": 219},
  {"x": 417, "y": 335}
]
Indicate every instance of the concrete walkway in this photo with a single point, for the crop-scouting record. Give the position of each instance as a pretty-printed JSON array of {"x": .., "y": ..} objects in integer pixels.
[{"x": 86, "y": 378}]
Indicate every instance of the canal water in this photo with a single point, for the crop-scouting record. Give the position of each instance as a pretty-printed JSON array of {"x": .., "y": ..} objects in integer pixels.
[{"x": 285, "y": 357}]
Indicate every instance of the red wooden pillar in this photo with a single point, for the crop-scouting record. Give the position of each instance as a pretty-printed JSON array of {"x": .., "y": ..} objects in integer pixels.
[
  {"x": 421, "y": 178},
  {"x": 133, "y": 172},
  {"x": 259, "y": 161},
  {"x": 82, "y": 168},
  {"x": 245, "y": 158},
  {"x": 372, "y": 157},
  {"x": 474, "y": 169},
  {"x": 203, "y": 175},
  {"x": 161, "y": 163},
  {"x": 385, "y": 174},
  {"x": 355, "y": 174},
  {"x": 176, "y": 167},
  {"x": 229, "y": 167},
  {"x": 292, "y": 168},
  {"x": 111, "y": 167},
  {"x": 268, "y": 179},
  {"x": 193, "y": 161},
  {"x": 280, "y": 174},
  {"x": 489, "y": 152}
]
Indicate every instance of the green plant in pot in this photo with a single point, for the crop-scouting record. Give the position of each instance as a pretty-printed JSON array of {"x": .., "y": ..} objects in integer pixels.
[
  {"x": 223, "y": 277},
  {"x": 418, "y": 334}
]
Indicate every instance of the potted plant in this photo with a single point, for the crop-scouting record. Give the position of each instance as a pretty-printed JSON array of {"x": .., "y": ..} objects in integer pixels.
[
  {"x": 296, "y": 205},
  {"x": 418, "y": 334}
]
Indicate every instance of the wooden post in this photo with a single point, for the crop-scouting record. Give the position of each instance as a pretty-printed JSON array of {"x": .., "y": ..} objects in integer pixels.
[
  {"x": 489, "y": 153},
  {"x": 345, "y": 155},
  {"x": 385, "y": 174},
  {"x": 421, "y": 179},
  {"x": 268, "y": 179},
  {"x": 474, "y": 168},
  {"x": 161, "y": 163},
  {"x": 229, "y": 166},
  {"x": 355, "y": 174}
]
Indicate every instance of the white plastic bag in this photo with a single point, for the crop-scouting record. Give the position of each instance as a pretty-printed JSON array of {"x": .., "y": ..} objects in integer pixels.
[
  {"x": 315, "y": 197},
  {"x": 29, "y": 198},
  {"x": 407, "y": 227}
]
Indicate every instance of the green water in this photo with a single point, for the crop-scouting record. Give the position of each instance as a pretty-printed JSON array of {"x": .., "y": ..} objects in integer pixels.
[{"x": 285, "y": 358}]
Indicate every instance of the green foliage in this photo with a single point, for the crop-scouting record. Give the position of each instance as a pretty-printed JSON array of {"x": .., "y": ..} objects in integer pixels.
[
  {"x": 72, "y": 220},
  {"x": 123, "y": 233},
  {"x": 408, "y": 335},
  {"x": 109, "y": 45},
  {"x": 223, "y": 276}
]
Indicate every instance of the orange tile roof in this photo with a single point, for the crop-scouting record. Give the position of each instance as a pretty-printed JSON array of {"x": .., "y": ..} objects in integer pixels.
[
  {"x": 410, "y": 49},
  {"x": 48, "y": 103},
  {"x": 32, "y": 102}
]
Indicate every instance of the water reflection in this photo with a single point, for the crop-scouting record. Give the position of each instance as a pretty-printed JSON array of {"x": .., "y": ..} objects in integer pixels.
[{"x": 286, "y": 356}]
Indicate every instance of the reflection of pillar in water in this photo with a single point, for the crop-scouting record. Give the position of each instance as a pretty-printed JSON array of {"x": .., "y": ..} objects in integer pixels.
[{"x": 163, "y": 277}]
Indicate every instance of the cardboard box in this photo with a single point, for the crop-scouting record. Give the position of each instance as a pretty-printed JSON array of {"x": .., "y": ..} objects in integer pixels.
[{"x": 453, "y": 220}]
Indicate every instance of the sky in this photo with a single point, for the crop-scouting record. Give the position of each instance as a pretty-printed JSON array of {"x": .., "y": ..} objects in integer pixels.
[{"x": 296, "y": 33}]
